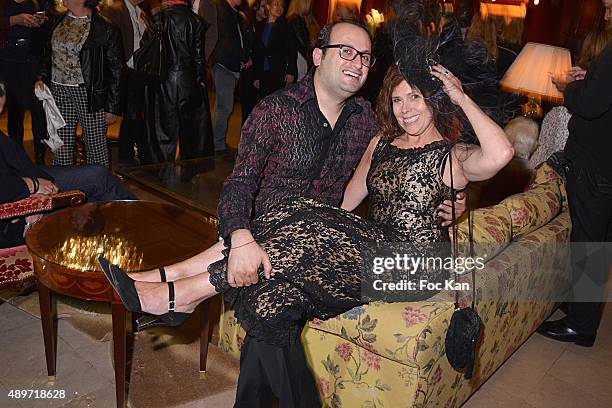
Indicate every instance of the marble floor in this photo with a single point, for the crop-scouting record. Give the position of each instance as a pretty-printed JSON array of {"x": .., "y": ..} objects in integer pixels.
[{"x": 541, "y": 374}]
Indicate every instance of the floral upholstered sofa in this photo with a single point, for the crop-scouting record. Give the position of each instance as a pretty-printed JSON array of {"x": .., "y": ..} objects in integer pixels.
[{"x": 392, "y": 354}]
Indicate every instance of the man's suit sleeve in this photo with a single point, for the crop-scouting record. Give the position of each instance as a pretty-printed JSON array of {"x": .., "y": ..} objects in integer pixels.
[{"x": 592, "y": 97}]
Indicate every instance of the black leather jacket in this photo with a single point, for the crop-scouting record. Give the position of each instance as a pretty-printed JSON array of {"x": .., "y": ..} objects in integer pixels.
[
  {"x": 301, "y": 36},
  {"x": 101, "y": 64},
  {"x": 183, "y": 33}
]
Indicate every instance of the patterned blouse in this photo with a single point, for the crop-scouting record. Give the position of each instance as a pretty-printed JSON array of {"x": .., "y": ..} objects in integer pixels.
[
  {"x": 553, "y": 135},
  {"x": 68, "y": 39}
]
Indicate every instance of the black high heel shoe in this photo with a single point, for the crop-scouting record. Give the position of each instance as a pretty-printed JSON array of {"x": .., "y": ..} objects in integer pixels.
[{"x": 124, "y": 286}]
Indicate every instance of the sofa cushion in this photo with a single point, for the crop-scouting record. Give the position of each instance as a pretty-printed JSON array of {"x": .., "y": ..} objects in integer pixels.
[
  {"x": 491, "y": 229},
  {"x": 397, "y": 331},
  {"x": 534, "y": 208},
  {"x": 546, "y": 174}
]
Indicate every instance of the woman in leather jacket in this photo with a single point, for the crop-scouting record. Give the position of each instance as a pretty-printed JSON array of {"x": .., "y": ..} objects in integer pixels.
[
  {"x": 177, "y": 108},
  {"x": 82, "y": 64},
  {"x": 304, "y": 29}
]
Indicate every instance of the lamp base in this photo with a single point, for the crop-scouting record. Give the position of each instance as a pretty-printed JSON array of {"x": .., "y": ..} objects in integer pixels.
[{"x": 532, "y": 109}]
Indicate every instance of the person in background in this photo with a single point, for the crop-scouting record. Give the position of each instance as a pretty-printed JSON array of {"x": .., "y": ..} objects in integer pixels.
[
  {"x": 304, "y": 28},
  {"x": 20, "y": 51},
  {"x": 484, "y": 30},
  {"x": 274, "y": 53},
  {"x": 179, "y": 112},
  {"x": 464, "y": 11},
  {"x": 554, "y": 131},
  {"x": 132, "y": 22},
  {"x": 20, "y": 178},
  {"x": 247, "y": 93},
  {"x": 227, "y": 54},
  {"x": 523, "y": 134},
  {"x": 588, "y": 96},
  {"x": 509, "y": 42},
  {"x": 83, "y": 66},
  {"x": 345, "y": 11},
  {"x": 516, "y": 175},
  {"x": 260, "y": 10}
]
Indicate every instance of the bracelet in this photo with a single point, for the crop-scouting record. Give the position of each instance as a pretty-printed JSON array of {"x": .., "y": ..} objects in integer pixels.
[
  {"x": 240, "y": 246},
  {"x": 35, "y": 184}
]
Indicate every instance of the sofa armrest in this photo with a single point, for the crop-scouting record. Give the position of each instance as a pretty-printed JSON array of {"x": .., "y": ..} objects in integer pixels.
[{"x": 40, "y": 203}]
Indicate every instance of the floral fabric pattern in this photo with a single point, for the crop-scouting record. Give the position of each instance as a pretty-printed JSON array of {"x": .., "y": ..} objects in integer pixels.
[
  {"x": 491, "y": 230},
  {"x": 68, "y": 39},
  {"x": 16, "y": 271},
  {"x": 534, "y": 208}
]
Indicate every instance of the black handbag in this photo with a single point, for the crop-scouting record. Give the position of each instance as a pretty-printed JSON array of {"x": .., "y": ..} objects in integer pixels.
[
  {"x": 465, "y": 325},
  {"x": 150, "y": 58}
]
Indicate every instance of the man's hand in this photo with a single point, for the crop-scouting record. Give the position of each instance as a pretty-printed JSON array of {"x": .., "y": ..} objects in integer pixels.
[
  {"x": 445, "y": 210},
  {"x": 289, "y": 79},
  {"x": 110, "y": 118},
  {"x": 245, "y": 259},
  {"x": 25, "y": 20}
]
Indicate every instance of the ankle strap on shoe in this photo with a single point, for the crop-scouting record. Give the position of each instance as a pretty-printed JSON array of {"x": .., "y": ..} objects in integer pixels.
[{"x": 171, "y": 302}]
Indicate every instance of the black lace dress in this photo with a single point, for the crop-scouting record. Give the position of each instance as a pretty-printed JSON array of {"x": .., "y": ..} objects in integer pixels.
[{"x": 317, "y": 250}]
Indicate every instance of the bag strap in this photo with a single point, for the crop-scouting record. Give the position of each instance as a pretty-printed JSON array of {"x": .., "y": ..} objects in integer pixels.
[{"x": 454, "y": 246}]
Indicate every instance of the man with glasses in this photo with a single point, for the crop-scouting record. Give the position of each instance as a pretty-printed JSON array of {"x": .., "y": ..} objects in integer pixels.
[{"x": 302, "y": 141}]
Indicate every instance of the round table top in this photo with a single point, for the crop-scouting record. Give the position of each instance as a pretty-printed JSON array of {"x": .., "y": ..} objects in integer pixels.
[{"x": 136, "y": 235}]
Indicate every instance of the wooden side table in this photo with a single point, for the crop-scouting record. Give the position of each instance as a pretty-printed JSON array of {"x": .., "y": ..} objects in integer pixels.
[{"x": 144, "y": 235}]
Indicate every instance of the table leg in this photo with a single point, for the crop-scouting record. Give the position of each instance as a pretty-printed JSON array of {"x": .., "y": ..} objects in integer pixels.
[
  {"x": 119, "y": 350},
  {"x": 204, "y": 335},
  {"x": 47, "y": 318}
]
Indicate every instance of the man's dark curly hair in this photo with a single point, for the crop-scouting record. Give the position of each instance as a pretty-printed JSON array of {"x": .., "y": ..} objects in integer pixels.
[{"x": 325, "y": 33}]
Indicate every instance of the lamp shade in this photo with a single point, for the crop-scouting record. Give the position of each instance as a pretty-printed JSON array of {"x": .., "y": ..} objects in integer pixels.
[{"x": 531, "y": 72}]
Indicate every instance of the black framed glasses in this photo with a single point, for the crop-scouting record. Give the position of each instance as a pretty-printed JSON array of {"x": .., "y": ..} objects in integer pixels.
[{"x": 349, "y": 53}]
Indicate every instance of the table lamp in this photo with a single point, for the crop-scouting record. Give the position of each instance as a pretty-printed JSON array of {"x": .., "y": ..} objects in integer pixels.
[{"x": 531, "y": 72}]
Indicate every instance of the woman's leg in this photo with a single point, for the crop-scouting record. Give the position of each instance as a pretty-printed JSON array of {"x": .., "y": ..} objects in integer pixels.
[
  {"x": 66, "y": 105},
  {"x": 189, "y": 293},
  {"x": 190, "y": 289},
  {"x": 195, "y": 265},
  {"x": 94, "y": 130}
]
